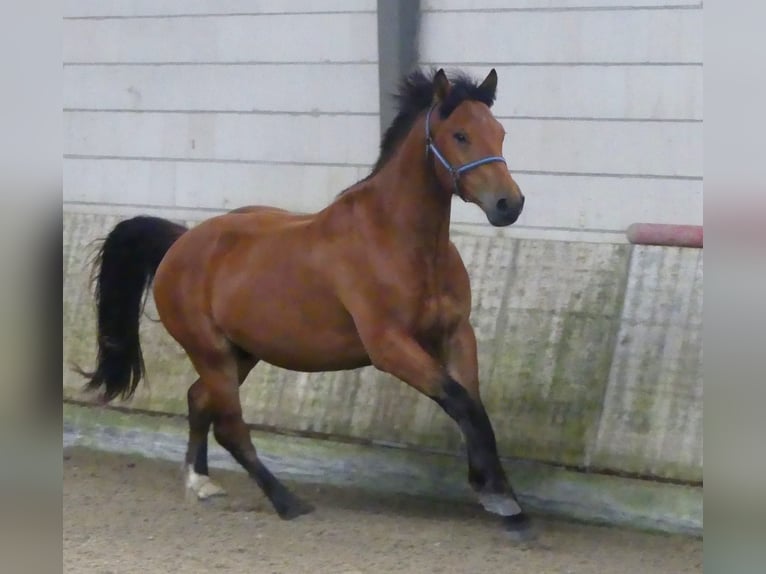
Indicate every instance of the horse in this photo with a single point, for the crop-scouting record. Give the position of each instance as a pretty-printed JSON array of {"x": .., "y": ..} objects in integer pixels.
[{"x": 371, "y": 279}]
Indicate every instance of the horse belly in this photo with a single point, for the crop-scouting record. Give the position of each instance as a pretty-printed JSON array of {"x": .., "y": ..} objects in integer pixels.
[
  {"x": 321, "y": 352},
  {"x": 297, "y": 331}
]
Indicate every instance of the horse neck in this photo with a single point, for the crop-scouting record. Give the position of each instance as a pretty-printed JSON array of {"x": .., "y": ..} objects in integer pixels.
[{"x": 414, "y": 204}]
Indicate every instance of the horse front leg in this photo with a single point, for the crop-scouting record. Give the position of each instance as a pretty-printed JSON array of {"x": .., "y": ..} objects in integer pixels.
[
  {"x": 461, "y": 400},
  {"x": 454, "y": 387}
]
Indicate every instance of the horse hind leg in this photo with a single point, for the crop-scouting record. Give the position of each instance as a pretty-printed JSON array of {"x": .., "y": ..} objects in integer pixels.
[
  {"x": 197, "y": 482},
  {"x": 219, "y": 379}
]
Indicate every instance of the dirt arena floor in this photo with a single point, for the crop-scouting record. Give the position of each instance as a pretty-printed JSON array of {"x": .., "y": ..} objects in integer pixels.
[{"x": 126, "y": 514}]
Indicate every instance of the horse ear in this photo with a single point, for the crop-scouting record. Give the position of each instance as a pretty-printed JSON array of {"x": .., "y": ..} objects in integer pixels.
[
  {"x": 441, "y": 86},
  {"x": 490, "y": 83}
]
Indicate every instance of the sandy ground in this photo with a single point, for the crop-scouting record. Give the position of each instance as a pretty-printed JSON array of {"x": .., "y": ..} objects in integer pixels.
[{"x": 126, "y": 514}]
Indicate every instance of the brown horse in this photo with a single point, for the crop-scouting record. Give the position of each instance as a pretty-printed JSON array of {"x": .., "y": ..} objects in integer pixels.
[{"x": 372, "y": 279}]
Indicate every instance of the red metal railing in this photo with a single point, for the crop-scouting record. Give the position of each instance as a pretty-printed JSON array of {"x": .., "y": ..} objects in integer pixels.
[{"x": 665, "y": 234}]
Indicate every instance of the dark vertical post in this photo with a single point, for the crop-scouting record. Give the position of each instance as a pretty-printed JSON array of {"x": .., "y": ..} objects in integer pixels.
[{"x": 398, "y": 25}]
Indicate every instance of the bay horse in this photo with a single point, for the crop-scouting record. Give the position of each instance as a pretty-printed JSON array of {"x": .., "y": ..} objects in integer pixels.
[{"x": 371, "y": 279}]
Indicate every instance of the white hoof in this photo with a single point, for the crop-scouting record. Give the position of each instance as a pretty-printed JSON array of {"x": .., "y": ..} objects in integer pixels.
[
  {"x": 201, "y": 487},
  {"x": 499, "y": 504}
]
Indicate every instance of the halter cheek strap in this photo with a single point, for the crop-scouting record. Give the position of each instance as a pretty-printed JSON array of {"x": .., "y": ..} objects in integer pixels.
[{"x": 453, "y": 171}]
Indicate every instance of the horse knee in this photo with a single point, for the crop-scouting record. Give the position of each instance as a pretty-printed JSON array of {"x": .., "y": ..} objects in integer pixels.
[{"x": 197, "y": 395}]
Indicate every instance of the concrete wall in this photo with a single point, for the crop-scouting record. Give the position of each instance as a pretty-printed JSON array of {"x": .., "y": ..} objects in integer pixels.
[
  {"x": 590, "y": 357},
  {"x": 590, "y": 347}
]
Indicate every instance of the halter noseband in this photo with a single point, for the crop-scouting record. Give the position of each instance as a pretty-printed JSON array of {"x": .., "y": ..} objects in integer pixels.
[{"x": 454, "y": 172}]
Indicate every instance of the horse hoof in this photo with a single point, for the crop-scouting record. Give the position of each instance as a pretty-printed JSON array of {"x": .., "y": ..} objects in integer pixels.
[
  {"x": 201, "y": 487},
  {"x": 210, "y": 489},
  {"x": 294, "y": 508},
  {"x": 519, "y": 528}
]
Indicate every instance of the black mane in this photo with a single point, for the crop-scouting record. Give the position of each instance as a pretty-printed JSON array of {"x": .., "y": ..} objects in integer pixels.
[{"x": 415, "y": 95}]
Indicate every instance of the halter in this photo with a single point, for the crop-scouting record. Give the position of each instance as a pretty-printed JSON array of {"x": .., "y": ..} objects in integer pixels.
[{"x": 454, "y": 172}]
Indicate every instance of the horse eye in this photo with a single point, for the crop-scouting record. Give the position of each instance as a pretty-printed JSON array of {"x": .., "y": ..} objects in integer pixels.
[{"x": 461, "y": 137}]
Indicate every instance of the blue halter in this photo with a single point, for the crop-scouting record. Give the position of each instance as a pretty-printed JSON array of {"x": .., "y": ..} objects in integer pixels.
[{"x": 454, "y": 172}]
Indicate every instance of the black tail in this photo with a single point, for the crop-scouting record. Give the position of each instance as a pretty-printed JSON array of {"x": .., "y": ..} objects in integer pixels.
[{"x": 122, "y": 272}]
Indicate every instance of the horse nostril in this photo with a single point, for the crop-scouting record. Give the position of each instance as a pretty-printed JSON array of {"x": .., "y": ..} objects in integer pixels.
[{"x": 502, "y": 204}]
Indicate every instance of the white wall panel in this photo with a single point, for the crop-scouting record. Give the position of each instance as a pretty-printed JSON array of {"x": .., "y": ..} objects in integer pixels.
[
  {"x": 122, "y": 8},
  {"x": 621, "y": 92},
  {"x": 634, "y": 148},
  {"x": 430, "y": 5},
  {"x": 598, "y": 203},
  {"x": 299, "y": 88},
  {"x": 319, "y": 38},
  {"x": 602, "y": 102},
  {"x": 569, "y": 36},
  {"x": 575, "y": 203},
  {"x": 664, "y": 149},
  {"x": 215, "y": 186},
  {"x": 265, "y": 138}
]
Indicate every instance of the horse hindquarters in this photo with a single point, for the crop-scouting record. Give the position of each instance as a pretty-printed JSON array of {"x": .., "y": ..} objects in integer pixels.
[{"x": 185, "y": 286}]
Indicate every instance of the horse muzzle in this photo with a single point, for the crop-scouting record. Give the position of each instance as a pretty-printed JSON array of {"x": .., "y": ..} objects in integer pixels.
[{"x": 503, "y": 212}]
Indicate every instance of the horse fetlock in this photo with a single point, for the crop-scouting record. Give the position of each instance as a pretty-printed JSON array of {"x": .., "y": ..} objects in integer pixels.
[{"x": 476, "y": 478}]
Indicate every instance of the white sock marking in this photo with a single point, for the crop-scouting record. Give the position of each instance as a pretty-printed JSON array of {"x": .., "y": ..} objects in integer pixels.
[{"x": 201, "y": 485}]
